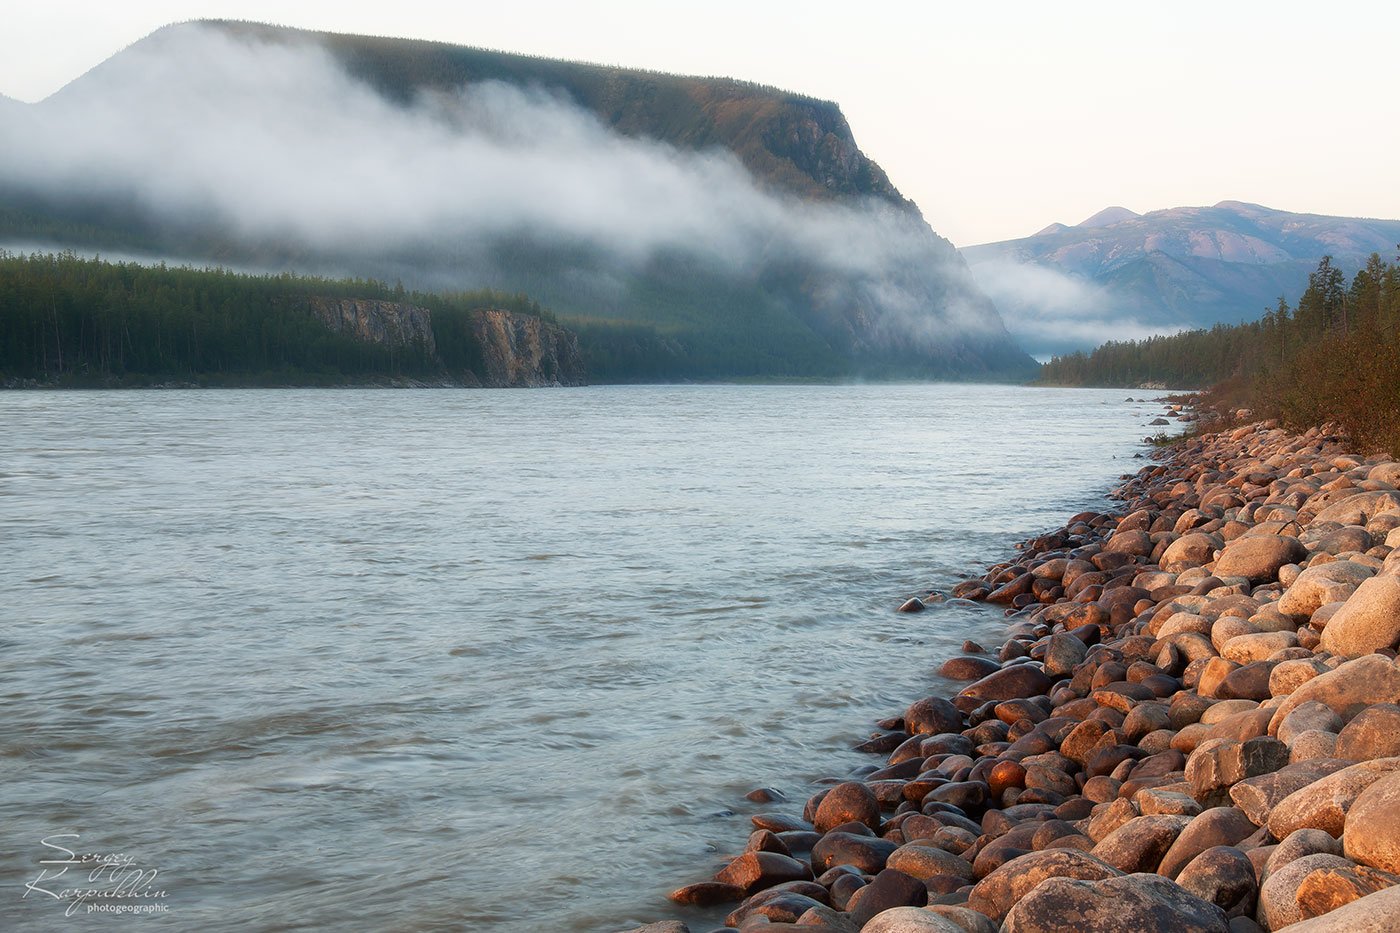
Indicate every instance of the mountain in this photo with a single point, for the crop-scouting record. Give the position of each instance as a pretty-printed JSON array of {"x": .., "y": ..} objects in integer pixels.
[
  {"x": 1124, "y": 274},
  {"x": 684, "y": 227}
]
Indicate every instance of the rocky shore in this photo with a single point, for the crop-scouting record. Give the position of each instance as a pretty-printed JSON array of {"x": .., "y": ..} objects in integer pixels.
[{"x": 1193, "y": 725}]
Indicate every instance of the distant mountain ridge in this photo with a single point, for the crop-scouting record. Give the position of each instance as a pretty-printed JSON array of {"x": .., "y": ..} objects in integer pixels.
[
  {"x": 660, "y": 314},
  {"x": 1184, "y": 266}
]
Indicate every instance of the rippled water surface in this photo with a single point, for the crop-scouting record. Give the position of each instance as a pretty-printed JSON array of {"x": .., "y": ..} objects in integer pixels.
[{"x": 372, "y": 660}]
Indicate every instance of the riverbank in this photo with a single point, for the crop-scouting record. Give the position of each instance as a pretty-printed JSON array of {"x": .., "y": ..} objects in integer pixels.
[{"x": 1191, "y": 725}]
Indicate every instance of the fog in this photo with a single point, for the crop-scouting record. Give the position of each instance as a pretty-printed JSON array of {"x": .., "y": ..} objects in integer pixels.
[
  {"x": 199, "y": 130},
  {"x": 1049, "y": 311}
]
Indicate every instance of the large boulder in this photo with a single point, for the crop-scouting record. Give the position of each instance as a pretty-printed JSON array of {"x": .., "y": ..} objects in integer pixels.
[
  {"x": 850, "y": 802},
  {"x": 1348, "y": 689},
  {"x": 1190, "y": 550},
  {"x": 910, "y": 920},
  {"x": 1259, "y": 557},
  {"x": 1374, "y": 913},
  {"x": 1323, "y": 583},
  {"x": 1372, "y": 828},
  {"x": 1373, "y": 733},
  {"x": 1224, "y": 876},
  {"x": 932, "y": 716},
  {"x": 999, "y": 891},
  {"x": 1278, "y": 895},
  {"x": 1142, "y": 903},
  {"x": 1009, "y": 683},
  {"x": 1324, "y": 890},
  {"x": 1359, "y": 508},
  {"x": 754, "y": 871},
  {"x": 1368, "y": 622},
  {"x": 1219, "y": 826},
  {"x": 1139, "y": 844},
  {"x": 1324, "y": 803}
]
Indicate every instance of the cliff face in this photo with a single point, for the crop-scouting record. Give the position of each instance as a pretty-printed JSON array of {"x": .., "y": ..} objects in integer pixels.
[
  {"x": 519, "y": 351},
  {"x": 383, "y": 322},
  {"x": 508, "y": 350}
]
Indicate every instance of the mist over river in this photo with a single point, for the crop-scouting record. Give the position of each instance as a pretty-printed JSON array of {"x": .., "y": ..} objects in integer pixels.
[{"x": 483, "y": 660}]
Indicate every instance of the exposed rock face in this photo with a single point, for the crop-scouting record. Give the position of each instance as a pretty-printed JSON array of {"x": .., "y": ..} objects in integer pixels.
[
  {"x": 383, "y": 322},
  {"x": 523, "y": 351},
  {"x": 515, "y": 350}
]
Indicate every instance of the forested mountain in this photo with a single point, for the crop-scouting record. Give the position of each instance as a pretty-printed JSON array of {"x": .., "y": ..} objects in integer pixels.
[
  {"x": 1186, "y": 267},
  {"x": 684, "y": 227},
  {"x": 1333, "y": 357}
]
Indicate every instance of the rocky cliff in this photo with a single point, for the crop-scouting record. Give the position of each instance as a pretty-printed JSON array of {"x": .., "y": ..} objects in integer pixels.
[
  {"x": 383, "y": 322},
  {"x": 506, "y": 349},
  {"x": 521, "y": 351}
]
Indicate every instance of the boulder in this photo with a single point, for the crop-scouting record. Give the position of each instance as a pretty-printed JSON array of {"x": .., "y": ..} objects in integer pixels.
[
  {"x": 1368, "y": 622},
  {"x": 1062, "y": 654},
  {"x": 1323, "y": 583},
  {"x": 1001, "y": 889},
  {"x": 1259, "y": 557},
  {"x": 968, "y": 667},
  {"x": 1009, "y": 683},
  {"x": 1258, "y": 796},
  {"x": 1219, "y": 826},
  {"x": 865, "y": 853},
  {"x": 932, "y": 716},
  {"x": 926, "y": 862},
  {"x": 1374, "y": 913},
  {"x": 1224, "y": 876},
  {"x": 1348, "y": 689},
  {"x": 1142, "y": 903},
  {"x": 754, "y": 871},
  {"x": 890, "y": 889},
  {"x": 1139, "y": 844},
  {"x": 1190, "y": 550},
  {"x": 1326, "y": 889},
  {"x": 1324, "y": 803},
  {"x": 1372, "y": 733},
  {"x": 850, "y": 802},
  {"x": 910, "y": 920},
  {"x": 1372, "y": 827},
  {"x": 1278, "y": 904}
]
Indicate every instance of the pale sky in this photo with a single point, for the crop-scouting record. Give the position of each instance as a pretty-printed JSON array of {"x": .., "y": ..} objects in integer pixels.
[{"x": 996, "y": 118}]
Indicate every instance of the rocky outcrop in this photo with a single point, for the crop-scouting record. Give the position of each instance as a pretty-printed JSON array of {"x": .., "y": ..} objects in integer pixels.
[
  {"x": 520, "y": 351},
  {"x": 510, "y": 350},
  {"x": 383, "y": 322}
]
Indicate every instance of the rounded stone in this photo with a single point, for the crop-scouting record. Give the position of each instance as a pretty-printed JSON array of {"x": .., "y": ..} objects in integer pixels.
[
  {"x": 1372, "y": 733},
  {"x": 1369, "y": 621},
  {"x": 1142, "y": 903},
  {"x": 1224, "y": 876},
  {"x": 850, "y": 802},
  {"x": 1002, "y": 888},
  {"x": 1258, "y": 558},
  {"x": 1372, "y": 828}
]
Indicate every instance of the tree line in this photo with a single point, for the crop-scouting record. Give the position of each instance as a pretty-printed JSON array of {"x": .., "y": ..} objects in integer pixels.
[
  {"x": 1333, "y": 357},
  {"x": 70, "y": 320}
]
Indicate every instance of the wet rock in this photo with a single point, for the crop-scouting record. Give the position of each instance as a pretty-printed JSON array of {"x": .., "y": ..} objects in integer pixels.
[
  {"x": 1220, "y": 826},
  {"x": 665, "y": 926},
  {"x": 850, "y": 802},
  {"x": 1259, "y": 557},
  {"x": 772, "y": 795},
  {"x": 1224, "y": 876},
  {"x": 1062, "y": 654},
  {"x": 866, "y": 853},
  {"x": 1368, "y": 622},
  {"x": 1372, "y": 826},
  {"x": 912, "y": 604},
  {"x": 1142, "y": 903},
  {"x": 890, "y": 889},
  {"x": 1009, "y": 683},
  {"x": 777, "y": 906},
  {"x": 1001, "y": 889},
  {"x": 932, "y": 716},
  {"x": 754, "y": 871},
  {"x": 1372, "y": 733},
  {"x": 926, "y": 862},
  {"x": 707, "y": 894},
  {"x": 968, "y": 668},
  {"x": 1139, "y": 844},
  {"x": 1278, "y": 905}
]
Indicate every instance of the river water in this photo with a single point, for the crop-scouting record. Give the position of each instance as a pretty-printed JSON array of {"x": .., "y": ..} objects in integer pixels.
[{"x": 482, "y": 660}]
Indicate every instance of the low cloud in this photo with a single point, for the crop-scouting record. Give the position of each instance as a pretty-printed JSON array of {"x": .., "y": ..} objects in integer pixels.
[
  {"x": 1049, "y": 311},
  {"x": 273, "y": 142}
]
